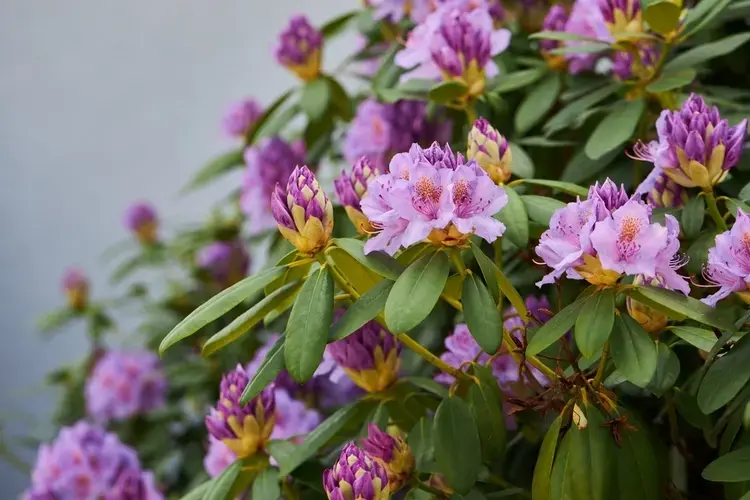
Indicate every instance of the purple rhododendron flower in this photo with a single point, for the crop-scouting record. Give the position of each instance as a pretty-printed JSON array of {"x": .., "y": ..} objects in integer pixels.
[
  {"x": 586, "y": 20},
  {"x": 661, "y": 191},
  {"x": 538, "y": 308},
  {"x": 141, "y": 220},
  {"x": 299, "y": 48},
  {"x": 355, "y": 476},
  {"x": 227, "y": 262},
  {"x": 555, "y": 20},
  {"x": 396, "y": 10},
  {"x": 240, "y": 117},
  {"x": 623, "y": 65},
  {"x": 293, "y": 418},
  {"x": 124, "y": 384},
  {"x": 218, "y": 457},
  {"x": 729, "y": 261}
]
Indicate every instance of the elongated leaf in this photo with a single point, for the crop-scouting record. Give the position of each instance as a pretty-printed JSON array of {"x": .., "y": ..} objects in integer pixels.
[
  {"x": 457, "y": 446},
  {"x": 514, "y": 81},
  {"x": 667, "y": 370},
  {"x": 216, "y": 167},
  {"x": 446, "y": 92},
  {"x": 416, "y": 292},
  {"x": 513, "y": 215},
  {"x": 543, "y": 469},
  {"x": 309, "y": 325},
  {"x": 421, "y": 443},
  {"x": 566, "y": 187},
  {"x": 692, "y": 216},
  {"x": 541, "y": 208},
  {"x": 595, "y": 321},
  {"x": 245, "y": 321},
  {"x": 493, "y": 277},
  {"x": 593, "y": 454},
  {"x": 639, "y": 465},
  {"x": 381, "y": 263},
  {"x": 266, "y": 485},
  {"x": 572, "y": 111},
  {"x": 560, "y": 478},
  {"x": 363, "y": 310},
  {"x": 200, "y": 491},
  {"x": 356, "y": 274},
  {"x": 730, "y": 468},
  {"x": 522, "y": 164},
  {"x": 584, "y": 48},
  {"x": 486, "y": 404},
  {"x": 338, "y": 24},
  {"x": 222, "y": 485},
  {"x": 725, "y": 378},
  {"x": 633, "y": 351},
  {"x": 672, "y": 80},
  {"x": 555, "y": 328},
  {"x": 315, "y": 99},
  {"x": 706, "y": 51},
  {"x": 55, "y": 319},
  {"x": 537, "y": 103},
  {"x": 563, "y": 36},
  {"x": 264, "y": 122},
  {"x": 342, "y": 103},
  {"x": 704, "y": 13},
  {"x": 615, "y": 129},
  {"x": 219, "y": 305},
  {"x": 698, "y": 337},
  {"x": 482, "y": 317},
  {"x": 581, "y": 167},
  {"x": 269, "y": 368}
]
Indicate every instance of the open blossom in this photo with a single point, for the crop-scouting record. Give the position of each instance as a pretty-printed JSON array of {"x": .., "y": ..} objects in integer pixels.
[
  {"x": 355, "y": 476},
  {"x": 293, "y": 418},
  {"x": 124, "y": 384},
  {"x": 396, "y": 10},
  {"x": 490, "y": 150},
  {"x": 141, "y": 220},
  {"x": 695, "y": 146},
  {"x": 351, "y": 187},
  {"x": 432, "y": 193},
  {"x": 729, "y": 262},
  {"x": 75, "y": 284},
  {"x": 226, "y": 262},
  {"x": 240, "y": 117},
  {"x": 269, "y": 162},
  {"x": 86, "y": 462},
  {"x": 299, "y": 48}
]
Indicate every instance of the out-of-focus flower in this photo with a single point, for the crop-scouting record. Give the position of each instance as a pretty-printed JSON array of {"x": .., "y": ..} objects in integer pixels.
[
  {"x": 303, "y": 212},
  {"x": 351, "y": 187},
  {"x": 392, "y": 453},
  {"x": 490, "y": 150},
  {"x": 269, "y": 162},
  {"x": 586, "y": 20},
  {"x": 124, "y": 384},
  {"x": 369, "y": 357},
  {"x": 75, "y": 284},
  {"x": 240, "y": 117},
  {"x": 729, "y": 262},
  {"x": 537, "y": 307},
  {"x": 555, "y": 20},
  {"x": 293, "y": 419},
  {"x": 356, "y": 476},
  {"x": 661, "y": 191},
  {"x": 397, "y": 10},
  {"x": 227, "y": 262},
  {"x": 696, "y": 147},
  {"x": 625, "y": 66},
  {"x": 218, "y": 457},
  {"x": 650, "y": 319},
  {"x": 623, "y": 17},
  {"x": 299, "y": 48},
  {"x": 86, "y": 462},
  {"x": 243, "y": 429},
  {"x": 141, "y": 220}
]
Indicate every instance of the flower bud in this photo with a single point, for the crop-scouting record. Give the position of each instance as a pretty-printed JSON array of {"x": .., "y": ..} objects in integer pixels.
[
  {"x": 243, "y": 429},
  {"x": 555, "y": 20},
  {"x": 227, "y": 262},
  {"x": 299, "y": 48},
  {"x": 369, "y": 356},
  {"x": 141, "y": 220},
  {"x": 303, "y": 213},
  {"x": 490, "y": 150},
  {"x": 76, "y": 287},
  {"x": 355, "y": 476},
  {"x": 392, "y": 453},
  {"x": 240, "y": 117},
  {"x": 350, "y": 188},
  {"x": 610, "y": 195},
  {"x": 650, "y": 319},
  {"x": 666, "y": 193}
]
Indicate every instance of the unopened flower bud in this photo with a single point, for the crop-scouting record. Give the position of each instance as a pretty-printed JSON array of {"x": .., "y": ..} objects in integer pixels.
[
  {"x": 351, "y": 187},
  {"x": 141, "y": 220},
  {"x": 355, "y": 476},
  {"x": 392, "y": 452},
  {"x": 76, "y": 287},
  {"x": 490, "y": 150},
  {"x": 299, "y": 48}
]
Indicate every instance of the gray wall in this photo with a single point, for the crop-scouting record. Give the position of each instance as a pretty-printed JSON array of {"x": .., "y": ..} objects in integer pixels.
[{"x": 103, "y": 102}]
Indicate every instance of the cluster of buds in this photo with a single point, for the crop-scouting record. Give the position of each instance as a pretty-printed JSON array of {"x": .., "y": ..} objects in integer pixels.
[
  {"x": 351, "y": 187},
  {"x": 392, "y": 452},
  {"x": 303, "y": 212},
  {"x": 142, "y": 222},
  {"x": 243, "y": 429},
  {"x": 299, "y": 48},
  {"x": 226, "y": 262},
  {"x": 490, "y": 150},
  {"x": 356, "y": 476},
  {"x": 76, "y": 287}
]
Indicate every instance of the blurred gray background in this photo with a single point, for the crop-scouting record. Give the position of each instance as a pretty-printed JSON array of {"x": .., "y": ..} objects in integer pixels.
[{"x": 103, "y": 103}]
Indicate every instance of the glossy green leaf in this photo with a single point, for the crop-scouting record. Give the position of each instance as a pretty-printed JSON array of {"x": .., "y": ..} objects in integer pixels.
[
  {"x": 359, "y": 276},
  {"x": 581, "y": 167},
  {"x": 698, "y": 337},
  {"x": 266, "y": 373},
  {"x": 540, "y": 485},
  {"x": 513, "y": 215},
  {"x": 692, "y": 216},
  {"x": 266, "y": 485},
  {"x": 615, "y": 129},
  {"x": 537, "y": 103},
  {"x": 486, "y": 403},
  {"x": 570, "y": 113},
  {"x": 315, "y": 98},
  {"x": 639, "y": 465},
  {"x": 725, "y": 378},
  {"x": 663, "y": 16},
  {"x": 379, "y": 262},
  {"x": 481, "y": 315},
  {"x": 363, "y": 310},
  {"x": 562, "y": 36},
  {"x": 218, "y": 306},
  {"x": 633, "y": 351},
  {"x": 702, "y": 14},
  {"x": 514, "y": 81},
  {"x": 560, "y": 487},
  {"x": 565, "y": 187},
  {"x": 730, "y": 468},
  {"x": 199, "y": 492},
  {"x": 541, "y": 208},
  {"x": 522, "y": 164},
  {"x": 457, "y": 446},
  {"x": 446, "y": 92},
  {"x": 584, "y": 48},
  {"x": 672, "y": 80},
  {"x": 222, "y": 485},
  {"x": 667, "y": 370},
  {"x": 416, "y": 292},
  {"x": 592, "y": 458},
  {"x": 337, "y": 25},
  {"x": 495, "y": 279},
  {"x": 309, "y": 325},
  {"x": 262, "y": 125},
  {"x": 216, "y": 167},
  {"x": 555, "y": 328},
  {"x": 706, "y": 51},
  {"x": 421, "y": 443},
  {"x": 595, "y": 321}
]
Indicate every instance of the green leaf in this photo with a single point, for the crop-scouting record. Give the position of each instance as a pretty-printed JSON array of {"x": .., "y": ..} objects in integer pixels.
[
  {"x": 354, "y": 272},
  {"x": 633, "y": 351},
  {"x": 514, "y": 81},
  {"x": 540, "y": 484},
  {"x": 678, "y": 306},
  {"x": 730, "y": 468},
  {"x": 55, "y": 319},
  {"x": 421, "y": 443},
  {"x": 457, "y": 446},
  {"x": 555, "y": 328},
  {"x": 338, "y": 24},
  {"x": 495, "y": 279},
  {"x": 315, "y": 99},
  {"x": 216, "y": 167},
  {"x": 706, "y": 51},
  {"x": 537, "y": 103},
  {"x": 541, "y": 208},
  {"x": 595, "y": 321},
  {"x": 308, "y": 326},
  {"x": 379, "y": 262},
  {"x": 703, "y": 13},
  {"x": 222, "y": 485},
  {"x": 566, "y": 187},
  {"x": 522, "y": 165},
  {"x": 416, "y": 292},
  {"x": 219, "y": 305},
  {"x": 363, "y": 310},
  {"x": 639, "y": 466},
  {"x": 446, "y": 92},
  {"x": 513, "y": 215},
  {"x": 667, "y": 370},
  {"x": 581, "y": 167},
  {"x": 570, "y": 113},
  {"x": 266, "y": 485},
  {"x": 592, "y": 458},
  {"x": 663, "y": 16},
  {"x": 486, "y": 404},
  {"x": 245, "y": 321},
  {"x": 615, "y": 129},
  {"x": 481, "y": 315},
  {"x": 692, "y": 216},
  {"x": 199, "y": 491},
  {"x": 544, "y": 142},
  {"x": 725, "y": 378},
  {"x": 671, "y": 80},
  {"x": 263, "y": 123},
  {"x": 269, "y": 368},
  {"x": 584, "y": 48},
  {"x": 697, "y": 337},
  {"x": 560, "y": 480},
  {"x": 562, "y": 36},
  {"x": 342, "y": 104}
]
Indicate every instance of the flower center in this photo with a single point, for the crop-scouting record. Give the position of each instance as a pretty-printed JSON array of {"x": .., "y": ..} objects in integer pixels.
[
  {"x": 427, "y": 190},
  {"x": 461, "y": 192},
  {"x": 630, "y": 228}
]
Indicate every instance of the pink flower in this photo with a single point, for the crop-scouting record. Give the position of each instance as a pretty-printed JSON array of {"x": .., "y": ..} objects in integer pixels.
[
  {"x": 476, "y": 198},
  {"x": 729, "y": 260},
  {"x": 218, "y": 457}
]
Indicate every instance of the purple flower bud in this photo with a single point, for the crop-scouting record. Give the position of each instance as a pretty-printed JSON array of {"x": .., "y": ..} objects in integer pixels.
[
  {"x": 369, "y": 356},
  {"x": 240, "y": 117},
  {"x": 141, "y": 220},
  {"x": 351, "y": 187},
  {"x": 76, "y": 286},
  {"x": 243, "y": 429},
  {"x": 666, "y": 193},
  {"x": 611, "y": 197},
  {"x": 622, "y": 16},
  {"x": 650, "y": 319},
  {"x": 303, "y": 213},
  {"x": 490, "y": 150},
  {"x": 125, "y": 384},
  {"x": 355, "y": 476},
  {"x": 226, "y": 262},
  {"x": 299, "y": 48},
  {"x": 625, "y": 67},
  {"x": 392, "y": 453},
  {"x": 555, "y": 20}
]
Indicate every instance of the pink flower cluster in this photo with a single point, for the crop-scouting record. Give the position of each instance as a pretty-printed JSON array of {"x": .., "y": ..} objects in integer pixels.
[
  {"x": 431, "y": 193},
  {"x": 608, "y": 235},
  {"x": 729, "y": 261}
]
